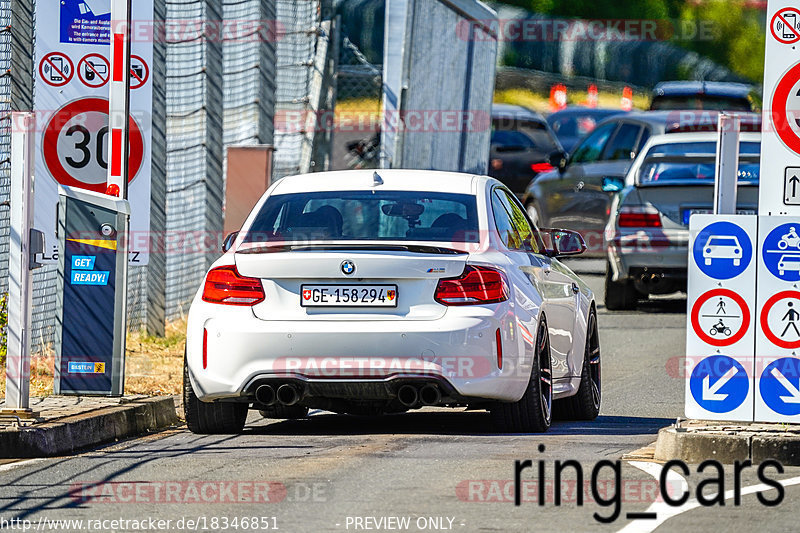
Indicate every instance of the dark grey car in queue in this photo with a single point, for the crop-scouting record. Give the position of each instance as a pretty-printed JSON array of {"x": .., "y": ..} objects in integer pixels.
[
  {"x": 521, "y": 145},
  {"x": 577, "y": 195}
]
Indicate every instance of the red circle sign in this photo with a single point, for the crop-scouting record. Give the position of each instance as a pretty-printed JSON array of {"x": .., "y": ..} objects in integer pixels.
[
  {"x": 698, "y": 328},
  {"x": 774, "y": 339},
  {"x": 94, "y": 70},
  {"x": 87, "y": 135},
  {"x": 784, "y": 25},
  {"x": 139, "y": 72},
  {"x": 56, "y": 69},
  {"x": 780, "y": 109}
]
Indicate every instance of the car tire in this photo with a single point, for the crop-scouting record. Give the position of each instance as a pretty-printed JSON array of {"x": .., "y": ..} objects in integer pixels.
[
  {"x": 210, "y": 418},
  {"x": 533, "y": 412},
  {"x": 286, "y": 412},
  {"x": 620, "y": 295},
  {"x": 585, "y": 404}
]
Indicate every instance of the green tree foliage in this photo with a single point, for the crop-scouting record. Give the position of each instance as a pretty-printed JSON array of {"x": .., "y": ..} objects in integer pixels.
[
  {"x": 725, "y": 31},
  {"x": 737, "y": 36}
]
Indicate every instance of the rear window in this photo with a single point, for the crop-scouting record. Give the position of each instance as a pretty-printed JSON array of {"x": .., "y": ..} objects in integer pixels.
[
  {"x": 695, "y": 162},
  {"x": 524, "y": 134},
  {"x": 366, "y": 216},
  {"x": 704, "y": 102}
]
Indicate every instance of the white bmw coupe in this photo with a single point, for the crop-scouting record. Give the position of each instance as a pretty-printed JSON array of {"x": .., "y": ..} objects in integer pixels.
[{"x": 378, "y": 292}]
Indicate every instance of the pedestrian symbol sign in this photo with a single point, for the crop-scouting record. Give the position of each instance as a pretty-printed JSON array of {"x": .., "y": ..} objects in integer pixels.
[
  {"x": 722, "y": 250},
  {"x": 780, "y": 319},
  {"x": 718, "y": 384}
]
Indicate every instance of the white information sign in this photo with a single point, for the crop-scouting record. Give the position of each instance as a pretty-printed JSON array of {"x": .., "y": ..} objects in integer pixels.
[
  {"x": 720, "y": 318},
  {"x": 71, "y": 105},
  {"x": 779, "y": 193}
]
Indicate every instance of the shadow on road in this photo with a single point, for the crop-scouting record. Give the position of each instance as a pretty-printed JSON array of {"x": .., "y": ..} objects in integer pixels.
[{"x": 473, "y": 423}]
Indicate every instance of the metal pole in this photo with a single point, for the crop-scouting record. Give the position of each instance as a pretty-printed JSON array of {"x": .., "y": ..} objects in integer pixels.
[
  {"x": 727, "y": 168},
  {"x": 20, "y": 282},
  {"x": 119, "y": 96}
]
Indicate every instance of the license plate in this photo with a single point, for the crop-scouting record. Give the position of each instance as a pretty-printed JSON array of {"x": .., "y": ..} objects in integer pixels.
[
  {"x": 687, "y": 213},
  {"x": 348, "y": 295}
]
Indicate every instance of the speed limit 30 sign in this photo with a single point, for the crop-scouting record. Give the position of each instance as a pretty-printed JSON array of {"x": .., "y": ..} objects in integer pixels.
[{"x": 75, "y": 144}]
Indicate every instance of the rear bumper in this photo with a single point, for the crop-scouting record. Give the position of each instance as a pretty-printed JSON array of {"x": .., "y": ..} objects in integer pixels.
[
  {"x": 656, "y": 261},
  {"x": 458, "y": 351}
]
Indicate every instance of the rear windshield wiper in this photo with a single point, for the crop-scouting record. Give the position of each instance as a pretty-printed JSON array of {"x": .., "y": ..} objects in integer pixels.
[{"x": 413, "y": 248}]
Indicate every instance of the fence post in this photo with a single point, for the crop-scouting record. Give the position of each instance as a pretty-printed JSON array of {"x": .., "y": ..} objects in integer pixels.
[
  {"x": 20, "y": 277},
  {"x": 156, "y": 279}
]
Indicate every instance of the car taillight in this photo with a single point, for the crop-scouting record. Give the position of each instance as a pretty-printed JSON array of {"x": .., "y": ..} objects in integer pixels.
[
  {"x": 224, "y": 285},
  {"x": 541, "y": 167},
  {"x": 477, "y": 285},
  {"x": 639, "y": 217}
]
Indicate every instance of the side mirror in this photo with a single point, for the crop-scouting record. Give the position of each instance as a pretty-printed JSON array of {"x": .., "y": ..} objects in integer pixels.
[
  {"x": 559, "y": 160},
  {"x": 565, "y": 242},
  {"x": 227, "y": 244},
  {"x": 613, "y": 184}
]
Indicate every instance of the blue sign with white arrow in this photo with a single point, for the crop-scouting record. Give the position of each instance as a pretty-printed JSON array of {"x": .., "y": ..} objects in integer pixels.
[
  {"x": 722, "y": 250},
  {"x": 719, "y": 384},
  {"x": 781, "y": 252},
  {"x": 780, "y": 386}
]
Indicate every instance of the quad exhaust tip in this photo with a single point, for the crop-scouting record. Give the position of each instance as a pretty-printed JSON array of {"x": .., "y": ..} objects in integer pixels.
[
  {"x": 407, "y": 395},
  {"x": 288, "y": 394},
  {"x": 265, "y": 395},
  {"x": 430, "y": 395}
]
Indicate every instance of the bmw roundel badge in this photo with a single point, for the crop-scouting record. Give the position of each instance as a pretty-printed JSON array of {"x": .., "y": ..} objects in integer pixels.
[{"x": 348, "y": 267}]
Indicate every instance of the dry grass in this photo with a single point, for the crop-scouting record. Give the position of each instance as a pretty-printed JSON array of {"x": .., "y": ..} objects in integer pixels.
[
  {"x": 541, "y": 102},
  {"x": 154, "y": 365}
]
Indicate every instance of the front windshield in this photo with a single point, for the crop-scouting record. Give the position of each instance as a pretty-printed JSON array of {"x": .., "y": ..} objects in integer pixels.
[
  {"x": 366, "y": 216},
  {"x": 695, "y": 162}
]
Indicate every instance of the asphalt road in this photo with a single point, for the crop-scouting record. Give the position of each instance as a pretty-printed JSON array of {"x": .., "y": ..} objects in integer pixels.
[{"x": 440, "y": 470}]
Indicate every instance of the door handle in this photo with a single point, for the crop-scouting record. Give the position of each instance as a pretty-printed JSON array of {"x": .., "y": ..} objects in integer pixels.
[{"x": 575, "y": 288}]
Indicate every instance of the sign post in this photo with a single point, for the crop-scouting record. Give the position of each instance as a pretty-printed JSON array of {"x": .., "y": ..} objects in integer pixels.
[
  {"x": 727, "y": 174},
  {"x": 20, "y": 264}
]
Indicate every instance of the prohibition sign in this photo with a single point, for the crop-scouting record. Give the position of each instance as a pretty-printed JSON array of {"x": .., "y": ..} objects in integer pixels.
[
  {"x": 63, "y": 120},
  {"x": 94, "y": 70},
  {"x": 721, "y": 341},
  {"x": 784, "y": 25},
  {"x": 781, "y": 120},
  {"x": 139, "y": 72},
  {"x": 56, "y": 69},
  {"x": 774, "y": 339}
]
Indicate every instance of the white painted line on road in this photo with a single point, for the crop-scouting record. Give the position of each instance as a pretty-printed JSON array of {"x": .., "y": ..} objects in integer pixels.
[
  {"x": 12, "y": 466},
  {"x": 662, "y": 509},
  {"x": 665, "y": 511}
]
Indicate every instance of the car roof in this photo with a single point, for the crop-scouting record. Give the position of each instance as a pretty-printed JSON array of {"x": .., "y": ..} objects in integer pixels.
[
  {"x": 711, "y": 88},
  {"x": 698, "y": 136},
  {"x": 393, "y": 179},
  {"x": 583, "y": 111},
  {"x": 660, "y": 121},
  {"x": 516, "y": 112}
]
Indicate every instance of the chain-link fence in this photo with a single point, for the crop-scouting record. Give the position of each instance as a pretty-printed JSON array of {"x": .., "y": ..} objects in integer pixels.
[{"x": 218, "y": 83}]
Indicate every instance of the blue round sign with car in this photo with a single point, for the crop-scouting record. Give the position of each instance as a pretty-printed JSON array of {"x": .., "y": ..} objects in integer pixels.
[
  {"x": 722, "y": 250},
  {"x": 781, "y": 252}
]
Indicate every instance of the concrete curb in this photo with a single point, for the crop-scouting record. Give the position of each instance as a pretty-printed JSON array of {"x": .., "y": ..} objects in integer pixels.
[
  {"x": 70, "y": 434},
  {"x": 726, "y": 447}
]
